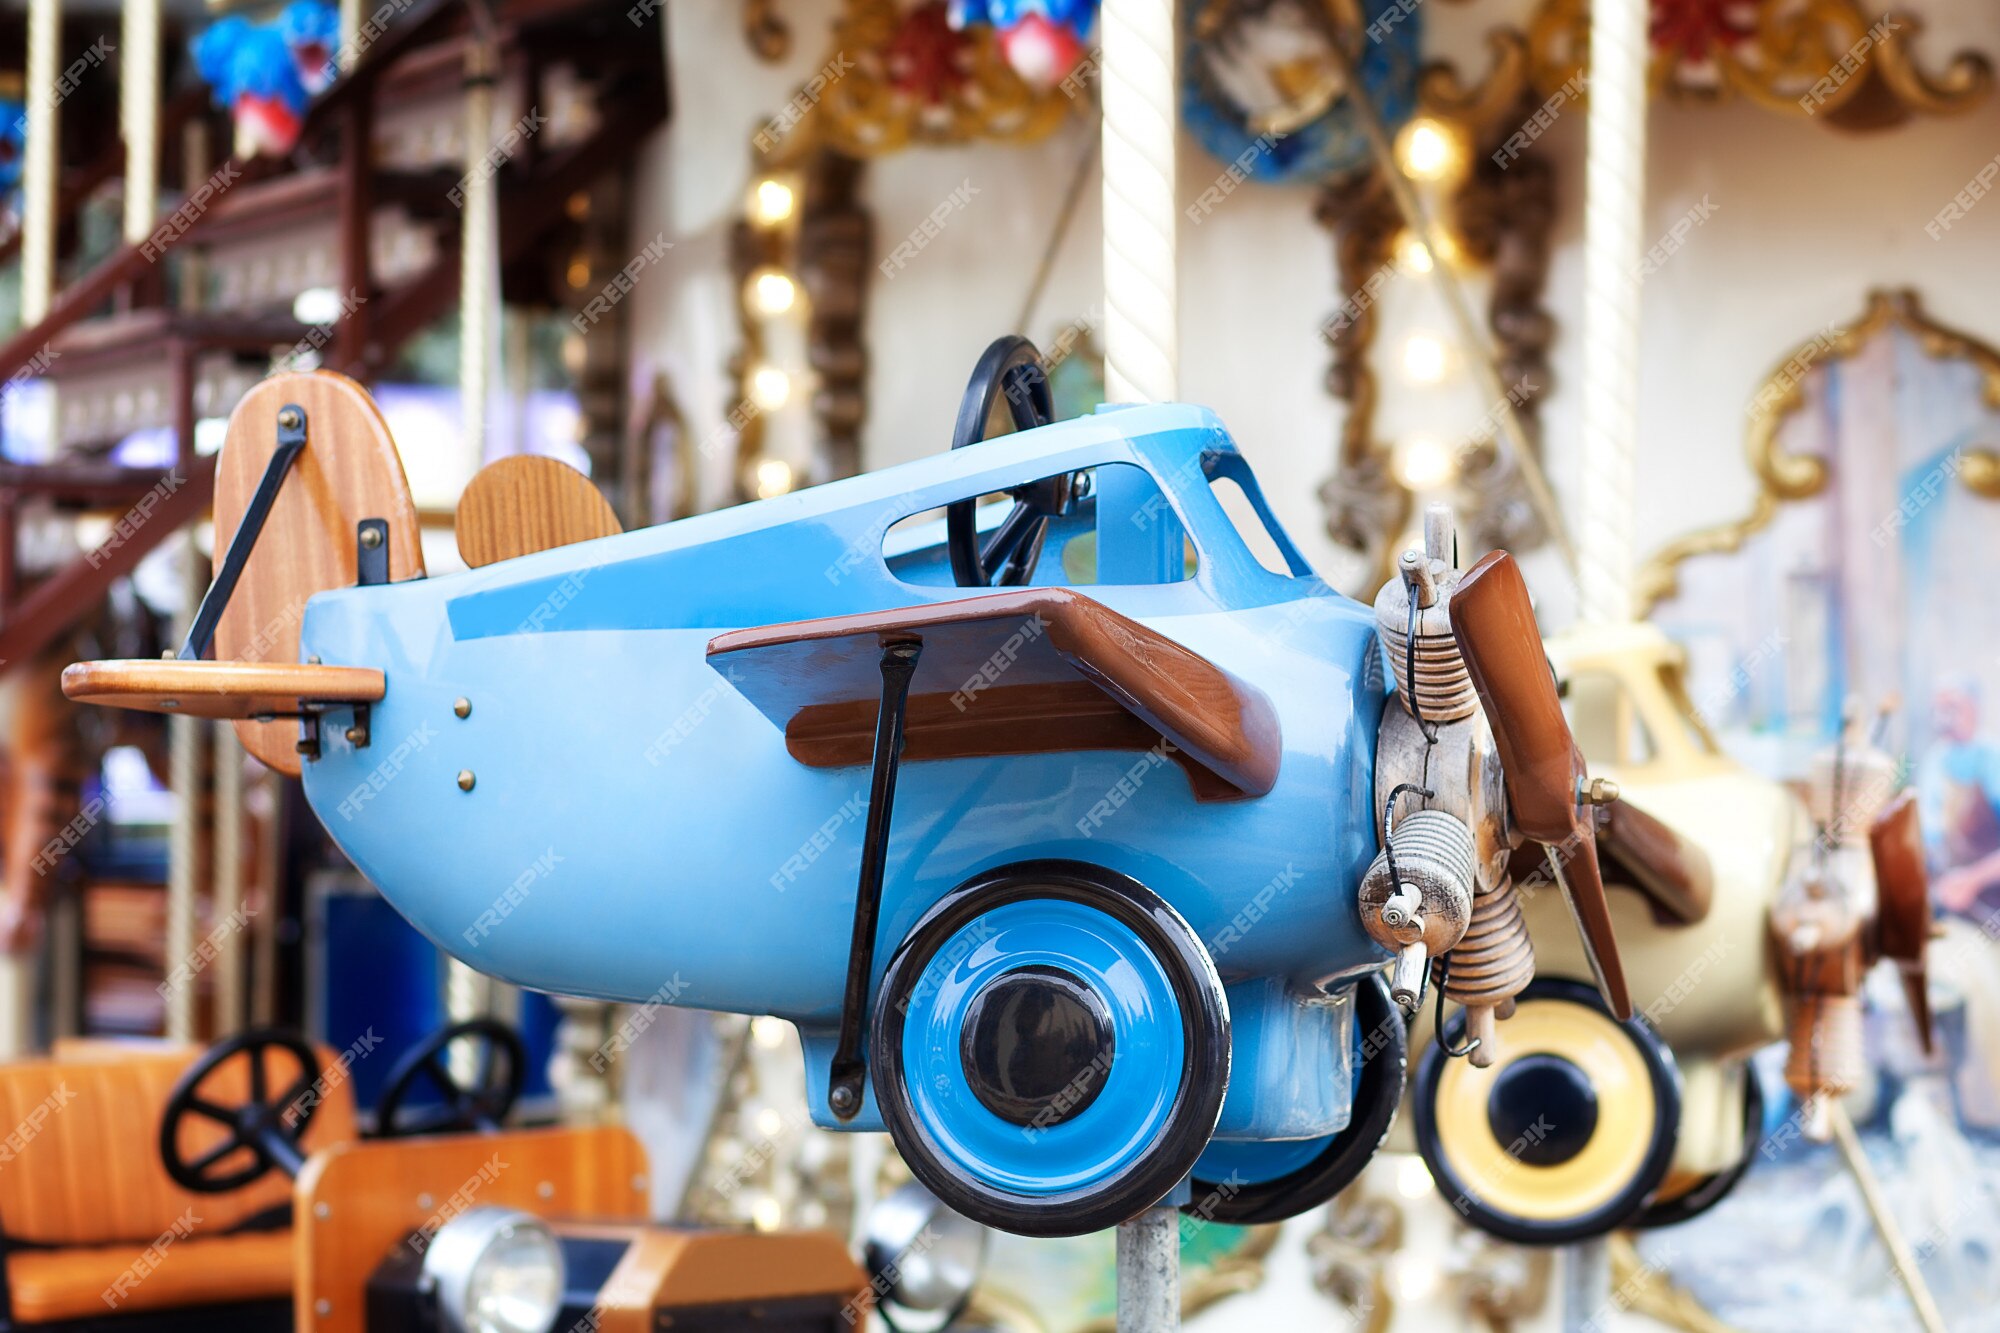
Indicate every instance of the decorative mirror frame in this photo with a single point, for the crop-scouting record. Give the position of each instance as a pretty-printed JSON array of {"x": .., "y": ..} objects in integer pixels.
[{"x": 1782, "y": 477}]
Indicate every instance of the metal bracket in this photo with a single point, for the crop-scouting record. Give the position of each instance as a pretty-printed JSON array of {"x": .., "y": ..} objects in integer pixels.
[
  {"x": 291, "y": 441},
  {"x": 371, "y": 552},
  {"x": 849, "y": 1072}
]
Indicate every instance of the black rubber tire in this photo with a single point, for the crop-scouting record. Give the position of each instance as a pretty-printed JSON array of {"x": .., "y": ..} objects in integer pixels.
[
  {"x": 1204, "y": 1066},
  {"x": 1607, "y": 1217},
  {"x": 1377, "y": 1093},
  {"x": 1712, "y": 1190}
]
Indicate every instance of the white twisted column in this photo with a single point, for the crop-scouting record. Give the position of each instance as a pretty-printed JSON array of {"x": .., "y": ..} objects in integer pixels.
[
  {"x": 1141, "y": 308},
  {"x": 38, "y": 162},
  {"x": 139, "y": 115},
  {"x": 1614, "y": 203}
]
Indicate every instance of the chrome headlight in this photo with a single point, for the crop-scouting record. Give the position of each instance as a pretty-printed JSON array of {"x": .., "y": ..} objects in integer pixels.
[
  {"x": 496, "y": 1270},
  {"x": 922, "y": 1257}
]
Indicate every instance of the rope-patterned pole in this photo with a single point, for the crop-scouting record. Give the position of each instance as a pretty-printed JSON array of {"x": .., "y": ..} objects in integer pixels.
[
  {"x": 1141, "y": 364},
  {"x": 1614, "y": 203},
  {"x": 1141, "y": 307},
  {"x": 38, "y": 163},
  {"x": 139, "y": 115}
]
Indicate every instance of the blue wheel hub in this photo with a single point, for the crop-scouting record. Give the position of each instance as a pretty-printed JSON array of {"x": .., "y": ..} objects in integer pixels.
[
  {"x": 1043, "y": 1047},
  {"x": 1037, "y": 1046}
]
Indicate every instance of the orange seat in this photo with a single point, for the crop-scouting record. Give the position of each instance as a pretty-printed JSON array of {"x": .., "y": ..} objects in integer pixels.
[
  {"x": 86, "y": 1198},
  {"x": 51, "y": 1285}
]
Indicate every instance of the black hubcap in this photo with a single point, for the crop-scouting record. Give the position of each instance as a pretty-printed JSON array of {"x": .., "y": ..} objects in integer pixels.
[
  {"x": 1037, "y": 1046},
  {"x": 1542, "y": 1110}
]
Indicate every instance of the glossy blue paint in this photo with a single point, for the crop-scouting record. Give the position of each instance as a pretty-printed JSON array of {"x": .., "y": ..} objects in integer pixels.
[
  {"x": 1138, "y": 1088},
  {"x": 638, "y": 831}
]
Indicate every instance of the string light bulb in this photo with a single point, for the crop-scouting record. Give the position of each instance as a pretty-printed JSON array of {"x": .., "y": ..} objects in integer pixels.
[
  {"x": 769, "y": 388},
  {"x": 774, "y": 477},
  {"x": 1429, "y": 150},
  {"x": 1425, "y": 358},
  {"x": 1421, "y": 463},
  {"x": 772, "y": 292},
  {"x": 772, "y": 202}
]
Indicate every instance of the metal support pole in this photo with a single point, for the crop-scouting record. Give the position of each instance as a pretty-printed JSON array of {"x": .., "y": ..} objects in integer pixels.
[
  {"x": 1149, "y": 1272},
  {"x": 229, "y": 969},
  {"x": 1900, "y": 1254},
  {"x": 479, "y": 257},
  {"x": 1586, "y": 1285},
  {"x": 184, "y": 754}
]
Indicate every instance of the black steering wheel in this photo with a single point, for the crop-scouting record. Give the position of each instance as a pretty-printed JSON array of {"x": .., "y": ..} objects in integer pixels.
[
  {"x": 1010, "y": 368},
  {"x": 269, "y": 1128},
  {"x": 480, "y": 1108}
]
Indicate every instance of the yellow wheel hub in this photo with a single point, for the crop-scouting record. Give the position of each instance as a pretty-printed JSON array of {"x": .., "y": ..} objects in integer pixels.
[{"x": 1597, "y": 1160}]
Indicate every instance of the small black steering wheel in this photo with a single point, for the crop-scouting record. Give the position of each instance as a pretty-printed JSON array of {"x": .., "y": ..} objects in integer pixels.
[
  {"x": 1011, "y": 369},
  {"x": 270, "y": 1129},
  {"x": 480, "y": 1108}
]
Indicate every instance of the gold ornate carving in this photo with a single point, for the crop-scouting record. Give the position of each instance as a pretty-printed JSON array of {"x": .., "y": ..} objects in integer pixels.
[
  {"x": 1784, "y": 477},
  {"x": 769, "y": 36},
  {"x": 881, "y": 95},
  {"x": 1832, "y": 60}
]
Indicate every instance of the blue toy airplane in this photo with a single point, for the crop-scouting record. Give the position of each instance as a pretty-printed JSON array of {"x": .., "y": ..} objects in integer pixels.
[{"x": 1047, "y": 821}]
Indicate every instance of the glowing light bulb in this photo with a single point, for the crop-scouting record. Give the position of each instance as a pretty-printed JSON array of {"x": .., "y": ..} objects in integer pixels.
[
  {"x": 766, "y": 1214},
  {"x": 772, "y": 292},
  {"x": 1412, "y": 255},
  {"x": 1425, "y": 358},
  {"x": 769, "y": 388},
  {"x": 774, "y": 477},
  {"x": 769, "y": 1033},
  {"x": 1413, "y": 1178},
  {"x": 1429, "y": 149},
  {"x": 1421, "y": 463},
  {"x": 772, "y": 202}
]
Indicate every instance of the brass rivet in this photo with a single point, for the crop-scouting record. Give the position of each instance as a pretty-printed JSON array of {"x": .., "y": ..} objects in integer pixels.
[
  {"x": 463, "y": 708},
  {"x": 465, "y": 779},
  {"x": 289, "y": 418},
  {"x": 371, "y": 537},
  {"x": 355, "y": 735}
]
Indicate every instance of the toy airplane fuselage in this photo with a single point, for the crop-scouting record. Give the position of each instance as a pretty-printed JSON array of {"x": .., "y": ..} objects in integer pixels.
[{"x": 565, "y": 789}]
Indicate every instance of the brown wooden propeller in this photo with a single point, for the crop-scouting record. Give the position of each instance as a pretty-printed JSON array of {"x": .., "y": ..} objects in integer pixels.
[
  {"x": 1903, "y": 902},
  {"x": 1494, "y": 624}
]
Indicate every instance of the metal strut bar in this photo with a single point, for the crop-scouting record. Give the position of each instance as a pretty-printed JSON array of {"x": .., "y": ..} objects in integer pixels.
[
  {"x": 849, "y": 1072},
  {"x": 291, "y": 440}
]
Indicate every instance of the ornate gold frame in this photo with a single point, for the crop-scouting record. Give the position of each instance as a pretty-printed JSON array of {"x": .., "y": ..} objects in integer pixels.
[
  {"x": 1783, "y": 477},
  {"x": 1793, "y": 49}
]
